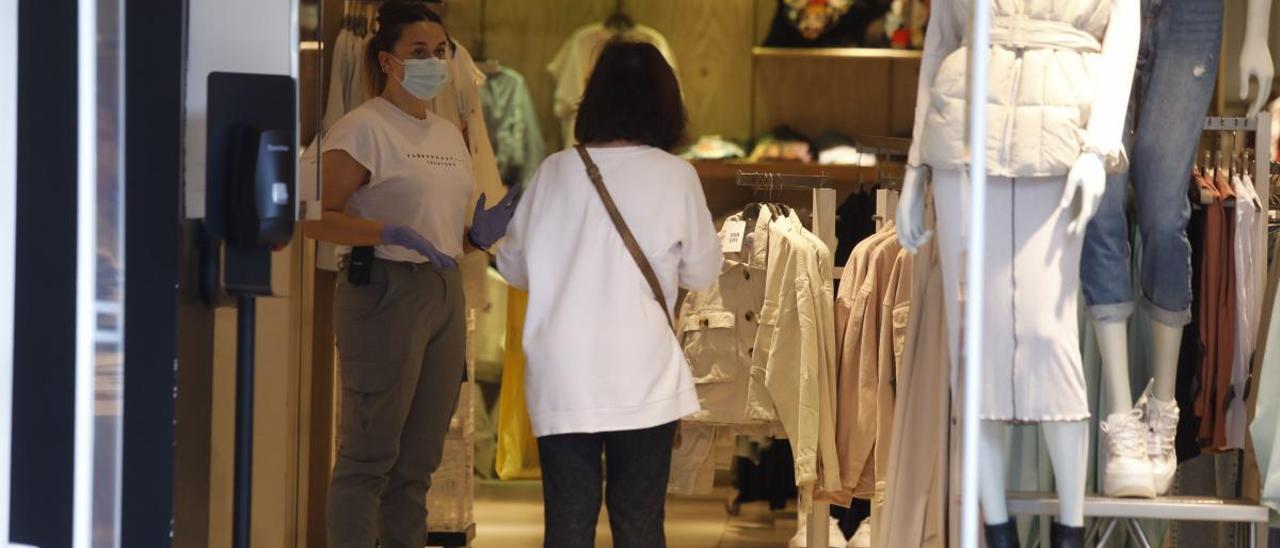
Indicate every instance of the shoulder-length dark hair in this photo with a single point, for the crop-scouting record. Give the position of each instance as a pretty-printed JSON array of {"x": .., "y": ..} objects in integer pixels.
[{"x": 633, "y": 95}]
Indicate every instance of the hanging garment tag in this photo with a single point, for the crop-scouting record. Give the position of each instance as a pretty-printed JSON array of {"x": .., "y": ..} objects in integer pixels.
[{"x": 731, "y": 241}]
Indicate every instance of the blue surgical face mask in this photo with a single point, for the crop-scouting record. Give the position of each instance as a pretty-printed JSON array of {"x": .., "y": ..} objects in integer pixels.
[{"x": 424, "y": 77}]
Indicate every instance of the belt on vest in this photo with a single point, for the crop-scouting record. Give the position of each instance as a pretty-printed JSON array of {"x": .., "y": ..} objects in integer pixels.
[{"x": 1022, "y": 32}]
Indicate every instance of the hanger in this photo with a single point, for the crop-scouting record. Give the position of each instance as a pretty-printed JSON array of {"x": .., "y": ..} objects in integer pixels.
[
  {"x": 1202, "y": 186},
  {"x": 354, "y": 19},
  {"x": 370, "y": 16},
  {"x": 1222, "y": 179},
  {"x": 619, "y": 21},
  {"x": 483, "y": 62},
  {"x": 360, "y": 18}
]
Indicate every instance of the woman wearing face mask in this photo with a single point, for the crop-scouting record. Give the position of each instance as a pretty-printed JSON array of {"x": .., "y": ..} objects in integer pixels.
[{"x": 397, "y": 181}]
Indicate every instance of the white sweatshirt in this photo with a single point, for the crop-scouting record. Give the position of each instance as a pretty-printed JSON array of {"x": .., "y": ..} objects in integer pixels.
[{"x": 600, "y": 355}]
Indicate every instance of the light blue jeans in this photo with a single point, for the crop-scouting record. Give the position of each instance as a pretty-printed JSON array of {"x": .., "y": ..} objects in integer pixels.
[{"x": 1177, "y": 69}]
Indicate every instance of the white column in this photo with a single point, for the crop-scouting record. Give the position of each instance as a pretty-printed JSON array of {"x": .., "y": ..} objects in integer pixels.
[
  {"x": 8, "y": 227},
  {"x": 85, "y": 324},
  {"x": 975, "y": 252}
]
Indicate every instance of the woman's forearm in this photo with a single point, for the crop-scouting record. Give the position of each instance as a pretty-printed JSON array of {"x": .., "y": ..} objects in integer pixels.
[{"x": 343, "y": 229}]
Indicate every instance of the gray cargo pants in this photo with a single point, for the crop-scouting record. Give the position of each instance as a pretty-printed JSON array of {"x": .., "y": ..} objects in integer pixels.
[{"x": 402, "y": 352}]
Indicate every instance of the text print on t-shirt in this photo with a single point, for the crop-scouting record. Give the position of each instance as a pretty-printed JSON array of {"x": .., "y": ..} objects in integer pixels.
[{"x": 437, "y": 160}]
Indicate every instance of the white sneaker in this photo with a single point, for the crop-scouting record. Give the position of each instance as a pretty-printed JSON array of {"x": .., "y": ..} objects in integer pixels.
[
  {"x": 1128, "y": 472},
  {"x": 801, "y": 538},
  {"x": 1162, "y": 430},
  {"x": 861, "y": 537},
  {"x": 835, "y": 537}
]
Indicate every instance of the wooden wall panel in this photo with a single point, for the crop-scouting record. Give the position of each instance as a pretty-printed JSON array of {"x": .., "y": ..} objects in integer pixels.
[
  {"x": 524, "y": 35},
  {"x": 764, "y": 12},
  {"x": 856, "y": 97},
  {"x": 815, "y": 95},
  {"x": 711, "y": 40},
  {"x": 902, "y": 98}
]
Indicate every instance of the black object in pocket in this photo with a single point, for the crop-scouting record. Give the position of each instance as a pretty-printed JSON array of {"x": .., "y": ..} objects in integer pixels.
[{"x": 360, "y": 266}]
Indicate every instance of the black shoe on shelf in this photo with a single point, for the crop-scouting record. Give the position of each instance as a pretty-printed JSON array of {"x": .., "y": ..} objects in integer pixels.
[
  {"x": 1063, "y": 536},
  {"x": 1004, "y": 535}
]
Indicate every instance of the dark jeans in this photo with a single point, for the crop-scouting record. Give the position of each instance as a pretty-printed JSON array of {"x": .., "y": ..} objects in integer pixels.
[{"x": 639, "y": 463}]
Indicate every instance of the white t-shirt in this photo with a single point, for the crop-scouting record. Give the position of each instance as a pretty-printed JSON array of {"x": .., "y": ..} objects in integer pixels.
[
  {"x": 419, "y": 174},
  {"x": 601, "y": 356}
]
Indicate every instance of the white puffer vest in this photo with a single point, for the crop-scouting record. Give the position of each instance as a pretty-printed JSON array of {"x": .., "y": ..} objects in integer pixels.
[{"x": 1044, "y": 70}]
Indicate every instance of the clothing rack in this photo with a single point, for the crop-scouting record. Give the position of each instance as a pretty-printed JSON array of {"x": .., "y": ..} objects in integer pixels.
[
  {"x": 780, "y": 181},
  {"x": 1260, "y": 127},
  {"x": 1112, "y": 514},
  {"x": 891, "y": 159},
  {"x": 823, "y": 225}
]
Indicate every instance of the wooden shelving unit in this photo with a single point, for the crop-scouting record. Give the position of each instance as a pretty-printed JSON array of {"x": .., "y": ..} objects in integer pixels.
[
  {"x": 837, "y": 53},
  {"x": 855, "y": 91}
]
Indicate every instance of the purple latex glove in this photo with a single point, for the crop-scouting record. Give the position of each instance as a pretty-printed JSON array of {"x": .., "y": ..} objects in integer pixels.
[
  {"x": 409, "y": 238},
  {"x": 490, "y": 225}
]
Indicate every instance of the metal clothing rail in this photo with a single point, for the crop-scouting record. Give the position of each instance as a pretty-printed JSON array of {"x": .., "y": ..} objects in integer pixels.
[
  {"x": 771, "y": 180},
  {"x": 1216, "y": 123},
  {"x": 1112, "y": 513}
]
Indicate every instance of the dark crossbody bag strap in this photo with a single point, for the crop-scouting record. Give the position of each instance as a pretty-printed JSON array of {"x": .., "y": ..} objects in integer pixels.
[{"x": 628, "y": 239}]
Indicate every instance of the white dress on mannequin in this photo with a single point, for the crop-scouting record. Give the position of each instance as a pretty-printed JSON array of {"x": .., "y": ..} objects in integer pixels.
[
  {"x": 1058, "y": 89},
  {"x": 1032, "y": 371},
  {"x": 1045, "y": 71}
]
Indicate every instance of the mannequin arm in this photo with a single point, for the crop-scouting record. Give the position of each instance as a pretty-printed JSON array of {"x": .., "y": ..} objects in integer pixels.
[
  {"x": 1105, "y": 131},
  {"x": 1104, "y": 145},
  {"x": 1255, "y": 56},
  {"x": 943, "y": 38}
]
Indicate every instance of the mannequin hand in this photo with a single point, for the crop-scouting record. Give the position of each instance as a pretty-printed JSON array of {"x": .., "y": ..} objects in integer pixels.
[
  {"x": 409, "y": 238},
  {"x": 1256, "y": 64},
  {"x": 490, "y": 225},
  {"x": 1088, "y": 178},
  {"x": 910, "y": 223}
]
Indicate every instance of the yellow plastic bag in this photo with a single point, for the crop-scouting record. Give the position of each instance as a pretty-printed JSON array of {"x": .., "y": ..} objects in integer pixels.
[{"x": 517, "y": 456}]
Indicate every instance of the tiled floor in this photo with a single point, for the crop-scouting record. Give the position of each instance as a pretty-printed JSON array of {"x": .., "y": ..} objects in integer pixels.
[{"x": 509, "y": 515}]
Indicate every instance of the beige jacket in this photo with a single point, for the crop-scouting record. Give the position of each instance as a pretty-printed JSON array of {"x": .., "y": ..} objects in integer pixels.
[
  {"x": 820, "y": 262},
  {"x": 787, "y": 367},
  {"x": 762, "y": 348},
  {"x": 717, "y": 329},
  {"x": 895, "y": 309},
  {"x": 859, "y": 366},
  {"x": 915, "y": 507}
]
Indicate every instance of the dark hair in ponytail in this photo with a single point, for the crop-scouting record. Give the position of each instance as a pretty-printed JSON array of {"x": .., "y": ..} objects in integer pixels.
[{"x": 393, "y": 17}]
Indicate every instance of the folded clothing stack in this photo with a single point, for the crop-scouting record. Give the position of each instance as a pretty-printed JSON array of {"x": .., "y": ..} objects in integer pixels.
[{"x": 714, "y": 147}]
